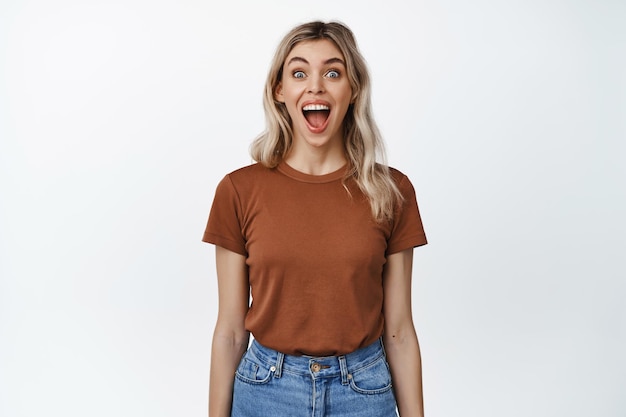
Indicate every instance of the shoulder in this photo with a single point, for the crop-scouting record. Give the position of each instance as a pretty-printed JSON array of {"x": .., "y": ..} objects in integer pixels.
[
  {"x": 404, "y": 184},
  {"x": 246, "y": 180},
  {"x": 397, "y": 174},
  {"x": 248, "y": 171},
  {"x": 399, "y": 177},
  {"x": 247, "y": 174}
]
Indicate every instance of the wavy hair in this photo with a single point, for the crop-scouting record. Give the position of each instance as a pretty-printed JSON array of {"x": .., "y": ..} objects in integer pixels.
[{"x": 363, "y": 143}]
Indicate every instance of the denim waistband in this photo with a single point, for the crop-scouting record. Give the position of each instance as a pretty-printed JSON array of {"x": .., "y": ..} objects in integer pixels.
[{"x": 318, "y": 367}]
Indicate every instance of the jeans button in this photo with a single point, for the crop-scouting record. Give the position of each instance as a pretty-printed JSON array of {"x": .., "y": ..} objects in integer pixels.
[{"x": 315, "y": 367}]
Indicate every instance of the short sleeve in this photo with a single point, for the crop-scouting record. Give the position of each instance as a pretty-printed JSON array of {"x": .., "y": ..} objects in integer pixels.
[
  {"x": 407, "y": 231},
  {"x": 224, "y": 224}
]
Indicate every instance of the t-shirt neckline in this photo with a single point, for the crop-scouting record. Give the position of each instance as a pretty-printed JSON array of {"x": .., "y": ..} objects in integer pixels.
[{"x": 293, "y": 173}]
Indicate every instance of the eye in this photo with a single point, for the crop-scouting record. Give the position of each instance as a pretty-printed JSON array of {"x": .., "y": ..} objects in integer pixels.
[
  {"x": 299, "y": 74},
  {"x": 332, "y": 74}
]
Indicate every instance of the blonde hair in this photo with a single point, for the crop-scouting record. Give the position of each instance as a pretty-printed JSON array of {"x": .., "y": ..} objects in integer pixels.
[{"x": 362, "y": 140}]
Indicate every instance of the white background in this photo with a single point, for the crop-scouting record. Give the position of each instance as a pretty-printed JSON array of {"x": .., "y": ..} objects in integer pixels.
[{"x": 118, "y": 118}]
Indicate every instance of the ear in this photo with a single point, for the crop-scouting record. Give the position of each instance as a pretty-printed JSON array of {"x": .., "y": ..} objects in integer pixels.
[{"x": 278, "y": 93}]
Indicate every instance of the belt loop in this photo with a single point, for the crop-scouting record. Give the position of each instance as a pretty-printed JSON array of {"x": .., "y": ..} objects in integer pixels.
[
  {"x": 280, "y": 357},
  {"x": 344, "y": 370},
  {"x": 382, "y": 345}
]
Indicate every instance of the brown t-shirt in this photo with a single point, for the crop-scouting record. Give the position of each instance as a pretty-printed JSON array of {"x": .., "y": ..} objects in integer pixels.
[{"x": 315, "y": 255}]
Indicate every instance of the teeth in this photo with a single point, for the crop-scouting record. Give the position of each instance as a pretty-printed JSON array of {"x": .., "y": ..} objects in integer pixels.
[{"x": 310, "y": 107}]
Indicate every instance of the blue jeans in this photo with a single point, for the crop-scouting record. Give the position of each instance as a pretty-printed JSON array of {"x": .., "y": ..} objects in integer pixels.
[{"x": 269, "y": 383}]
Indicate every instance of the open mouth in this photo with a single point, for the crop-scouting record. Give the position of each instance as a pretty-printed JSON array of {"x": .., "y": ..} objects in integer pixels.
[{"x": 316, "y": 115}]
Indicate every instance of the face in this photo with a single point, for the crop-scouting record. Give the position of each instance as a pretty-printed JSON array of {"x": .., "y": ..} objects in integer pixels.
[{"x": 317, "y": 93}]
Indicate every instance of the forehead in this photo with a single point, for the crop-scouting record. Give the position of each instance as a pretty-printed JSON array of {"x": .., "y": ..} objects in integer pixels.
[{"x": 315, "y": 50}]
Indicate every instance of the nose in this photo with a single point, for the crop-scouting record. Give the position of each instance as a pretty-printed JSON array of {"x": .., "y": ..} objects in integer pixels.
[{"x": 316, "y": 84}]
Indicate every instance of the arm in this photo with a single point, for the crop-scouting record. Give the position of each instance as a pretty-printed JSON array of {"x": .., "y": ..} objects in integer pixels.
[
  {"x": 399, "y": 337},
  {"x": 230, "y": 338}
]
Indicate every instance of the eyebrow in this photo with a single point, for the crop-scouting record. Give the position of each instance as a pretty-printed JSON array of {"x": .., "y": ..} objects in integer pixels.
[{"x": 328, "y": 61}]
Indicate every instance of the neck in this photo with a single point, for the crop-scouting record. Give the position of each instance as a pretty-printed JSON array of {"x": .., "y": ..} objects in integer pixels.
[{"x": 315, "y": 163}]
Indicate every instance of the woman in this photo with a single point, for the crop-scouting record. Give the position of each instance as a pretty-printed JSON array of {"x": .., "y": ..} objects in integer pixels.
[{"x": 321, "y": 237}]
